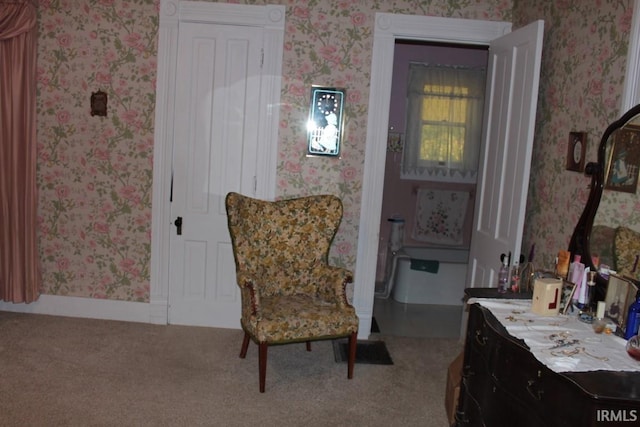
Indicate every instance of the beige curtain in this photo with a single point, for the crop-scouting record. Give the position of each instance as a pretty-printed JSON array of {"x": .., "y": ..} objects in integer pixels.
[
  {"x": 444, "y": 123},
  {"x": 19, "y": 258}
]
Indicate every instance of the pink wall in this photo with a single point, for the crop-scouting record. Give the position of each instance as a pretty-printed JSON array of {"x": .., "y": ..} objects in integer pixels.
[{"x": 399, "y": 197}]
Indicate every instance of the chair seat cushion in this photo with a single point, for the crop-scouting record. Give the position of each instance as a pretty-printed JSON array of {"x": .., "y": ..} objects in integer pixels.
[{"x": 287, "y": 318}]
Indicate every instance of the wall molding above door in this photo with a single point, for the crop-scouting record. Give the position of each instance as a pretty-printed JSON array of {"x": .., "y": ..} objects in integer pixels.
[{"x": 172, "y": 12}]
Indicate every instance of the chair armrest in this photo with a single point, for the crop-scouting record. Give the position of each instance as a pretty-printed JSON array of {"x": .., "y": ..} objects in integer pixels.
[
  {"x": 332, "y": 283},
  {"x": 250, "y": 297},
  {"x": 245, "y": 279}
]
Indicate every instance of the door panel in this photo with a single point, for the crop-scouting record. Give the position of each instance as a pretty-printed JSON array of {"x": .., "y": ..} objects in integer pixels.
[
  {"x": 510, "y": 108},
  {"x": 216, "y": 137}
]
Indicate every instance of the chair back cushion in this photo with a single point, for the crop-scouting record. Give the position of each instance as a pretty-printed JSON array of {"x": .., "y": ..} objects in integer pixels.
[
  {"x": 626, "y": 247},
  {"x": 281, "y": 242}
]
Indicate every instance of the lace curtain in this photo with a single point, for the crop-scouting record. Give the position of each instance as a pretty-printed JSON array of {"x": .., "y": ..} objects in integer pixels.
[
  {"x": 444, "y": 107},
  {"x": 19, "y": 256}
]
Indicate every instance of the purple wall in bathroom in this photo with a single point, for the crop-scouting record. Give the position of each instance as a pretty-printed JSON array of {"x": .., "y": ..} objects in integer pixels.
[{"x": 399, "y": 196}]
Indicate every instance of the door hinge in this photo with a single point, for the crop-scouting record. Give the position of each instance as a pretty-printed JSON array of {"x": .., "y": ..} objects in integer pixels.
[
  {"x": 255, "y": 185},
  {"x": 171, "y": 189},
  {"x": 261, "y": 57}
]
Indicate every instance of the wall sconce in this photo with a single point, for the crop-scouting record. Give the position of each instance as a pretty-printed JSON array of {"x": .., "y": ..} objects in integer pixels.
[{"x": 324, "y": 127}]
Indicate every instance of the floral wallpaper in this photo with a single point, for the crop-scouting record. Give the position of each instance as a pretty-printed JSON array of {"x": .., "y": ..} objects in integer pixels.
[
  {"x": 95, "y": 173},
  {"x": 581, "y": 82},
  {"x": 329, "y": 43}
]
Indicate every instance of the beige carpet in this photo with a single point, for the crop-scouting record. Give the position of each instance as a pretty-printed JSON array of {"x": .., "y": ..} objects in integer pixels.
[{"x": 58, "y": 371}]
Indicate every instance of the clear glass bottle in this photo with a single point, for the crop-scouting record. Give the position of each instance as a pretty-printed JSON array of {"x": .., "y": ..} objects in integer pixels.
[
  {"x": 515, "y": 278},
  {"x": 590, "y": 293},
  {"x": 503, "y": 276}
]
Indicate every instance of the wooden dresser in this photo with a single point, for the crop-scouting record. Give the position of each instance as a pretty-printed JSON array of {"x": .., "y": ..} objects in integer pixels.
[{"x": 503, "y": 384}]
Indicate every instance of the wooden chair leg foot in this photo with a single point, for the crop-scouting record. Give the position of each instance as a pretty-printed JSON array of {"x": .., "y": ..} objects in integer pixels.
[
  {"x": 308, "y": 345},
  {"x": 353, "y": 339},
  {"x": 262, "y": 360},
  {"x": 245, "y": 346}
]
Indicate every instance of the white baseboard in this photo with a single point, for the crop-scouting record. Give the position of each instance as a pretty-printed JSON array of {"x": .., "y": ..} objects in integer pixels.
[
  {"x": 86, "y": 307},
  {"x": 364, "y": 326},
  {"x": 92, "y": 308}
]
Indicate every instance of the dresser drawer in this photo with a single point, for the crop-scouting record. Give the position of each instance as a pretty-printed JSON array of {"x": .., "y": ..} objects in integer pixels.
[
  {"x": 481, "y": 338},
  {"x": 536, "y": 389},
  {"x": 484, "y": 400},
  {"x": 470, "y": 411},
  {"x": 487, "y": 404}
]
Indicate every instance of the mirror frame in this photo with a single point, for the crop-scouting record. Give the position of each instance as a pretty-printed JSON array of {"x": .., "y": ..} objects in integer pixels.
[{"x": 580, "y": 240}]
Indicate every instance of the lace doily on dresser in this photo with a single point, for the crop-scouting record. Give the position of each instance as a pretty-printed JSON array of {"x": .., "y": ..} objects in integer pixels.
[{"x": 563, "y": 343}]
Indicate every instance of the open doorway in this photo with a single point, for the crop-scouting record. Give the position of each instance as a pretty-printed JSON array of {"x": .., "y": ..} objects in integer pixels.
[
  {"x": 388, "y": 29},
  {"x": 512, "y": 86},
  {"x": 417, "y": 279}
]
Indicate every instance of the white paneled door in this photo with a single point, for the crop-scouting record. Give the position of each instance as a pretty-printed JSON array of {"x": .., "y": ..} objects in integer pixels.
[
  {"x": 510, "y": 109},
  {"x": 216, "y": 138}
]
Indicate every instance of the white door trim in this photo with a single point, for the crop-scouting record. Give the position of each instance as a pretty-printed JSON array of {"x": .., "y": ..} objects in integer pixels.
[
  {"x": 631, "y": 90},
  {"x": 388, "y": 28},
  {"x": 172, "y": 12}
]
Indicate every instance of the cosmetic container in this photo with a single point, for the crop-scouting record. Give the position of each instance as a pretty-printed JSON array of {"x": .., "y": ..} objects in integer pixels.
[{"x": 633, "y": 318}]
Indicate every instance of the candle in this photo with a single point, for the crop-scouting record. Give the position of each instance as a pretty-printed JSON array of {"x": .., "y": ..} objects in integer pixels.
[{"x": 600, "y": 310}]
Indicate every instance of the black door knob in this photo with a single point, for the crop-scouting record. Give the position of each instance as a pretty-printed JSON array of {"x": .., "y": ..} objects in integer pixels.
[{"x": 178, "y": 224}]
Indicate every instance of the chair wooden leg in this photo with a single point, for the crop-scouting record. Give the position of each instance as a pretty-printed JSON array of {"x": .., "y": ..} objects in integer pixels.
[
  {"x": 353, "y": 339},
  {"x": 308, "y": 345},
  {"x": 262, "y": 360},
  {"x": 245, "y": 346}
]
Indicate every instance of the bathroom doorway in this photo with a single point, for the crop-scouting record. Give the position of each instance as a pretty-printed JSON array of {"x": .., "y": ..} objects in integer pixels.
[
  {"x": 503, "y": 176},
  {"x": 402, "y": 311}
]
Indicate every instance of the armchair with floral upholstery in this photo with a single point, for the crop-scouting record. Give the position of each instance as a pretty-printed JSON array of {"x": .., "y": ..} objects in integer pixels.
[{"x": 289, "y": 291}]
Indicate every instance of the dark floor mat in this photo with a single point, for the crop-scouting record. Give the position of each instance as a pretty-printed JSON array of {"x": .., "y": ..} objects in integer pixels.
[{"x": 371, "y": 352}]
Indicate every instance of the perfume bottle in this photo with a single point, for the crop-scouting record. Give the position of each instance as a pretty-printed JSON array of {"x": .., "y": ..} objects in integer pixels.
[
  {"x": 589, "y": 292},
  {"x": 515, "y": 278},
  {"x": 503, "y": 275},
  {"x": 633, "y": 318}
]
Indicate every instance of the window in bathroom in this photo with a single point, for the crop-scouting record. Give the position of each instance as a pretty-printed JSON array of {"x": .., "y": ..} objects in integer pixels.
[{"x": 444, "y": 122}]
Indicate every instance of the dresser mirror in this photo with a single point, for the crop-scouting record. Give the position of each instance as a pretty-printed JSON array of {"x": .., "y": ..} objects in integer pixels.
[{"x": 611, "y": 214}]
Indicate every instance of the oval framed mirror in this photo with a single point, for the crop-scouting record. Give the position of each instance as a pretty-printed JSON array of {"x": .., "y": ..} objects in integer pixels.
[{"x": 616, "y": 171}]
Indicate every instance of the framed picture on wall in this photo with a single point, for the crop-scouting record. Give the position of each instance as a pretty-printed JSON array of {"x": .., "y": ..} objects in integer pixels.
[
  {"x": 624, "y": 160},
  {"x": 324, "y": 127},
  {"x": 576, "y": 150}
]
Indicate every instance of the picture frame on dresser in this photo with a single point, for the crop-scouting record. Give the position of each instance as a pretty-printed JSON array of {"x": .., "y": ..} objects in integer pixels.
[
  {"x": 620, "y": 295},
  {"x": 568, "y": 289}
]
